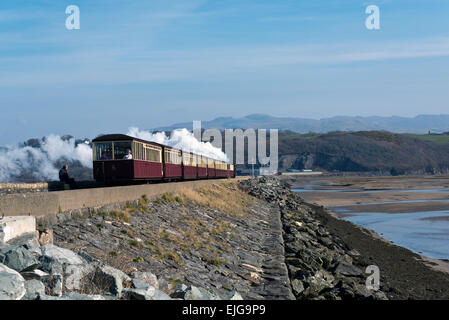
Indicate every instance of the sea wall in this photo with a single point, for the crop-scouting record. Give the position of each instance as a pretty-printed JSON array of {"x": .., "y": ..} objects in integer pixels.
[{"x": 48, "y": 203}]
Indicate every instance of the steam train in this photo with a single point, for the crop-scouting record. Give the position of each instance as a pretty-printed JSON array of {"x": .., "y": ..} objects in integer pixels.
[{"x": 118, "y": 157}]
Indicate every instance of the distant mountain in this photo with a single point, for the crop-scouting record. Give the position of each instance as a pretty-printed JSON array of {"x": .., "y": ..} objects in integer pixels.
[{"x": 418, "y": 124}]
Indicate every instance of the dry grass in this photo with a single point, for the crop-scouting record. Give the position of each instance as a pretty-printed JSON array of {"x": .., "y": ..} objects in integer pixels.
[
  {"x": 122, "y": 215},
  {"x": 225, "y": 197},
  {"x": 163, "y": 254}
]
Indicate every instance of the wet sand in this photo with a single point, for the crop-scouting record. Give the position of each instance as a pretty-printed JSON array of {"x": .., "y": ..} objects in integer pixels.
[
  {"x": 399, "y": 207},
  {"x": 444, "y": 218},
  {"x": 373, "y": 190}
]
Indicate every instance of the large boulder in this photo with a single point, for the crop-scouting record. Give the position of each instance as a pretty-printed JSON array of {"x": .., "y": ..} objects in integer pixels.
[
  {"x": 28, "y": 241},
  {"x": 146, "y": 277},
  {"x": 105, "y": 280},
  {"x": 50, "y": 265},
  {"x": 74, "y": 275},
  {"x": 192, "y": 293},
  {"x": 18, "y": 258},
  {"x": 12, "y": 284},
  {"x": 347, "y": 269},
  {"x": 150, "y": 293},
  {"x": 53, "y": 284},
  {"x": 234, "y": 295},
  {"x": 63, "y": 256},
  {"x": 34, "y": 289}
]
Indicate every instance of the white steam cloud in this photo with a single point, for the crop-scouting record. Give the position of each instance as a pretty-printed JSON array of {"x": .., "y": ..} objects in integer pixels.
[
  {"x": 39, "y": 163},
  {"x": 180, "y": 139}
]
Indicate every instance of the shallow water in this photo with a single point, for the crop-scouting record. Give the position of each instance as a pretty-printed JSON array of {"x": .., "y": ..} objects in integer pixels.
[
  {"x": 409, "y": 230},
  {"x": 372, "y": 191},
  {"x": 427, "y": 237}
]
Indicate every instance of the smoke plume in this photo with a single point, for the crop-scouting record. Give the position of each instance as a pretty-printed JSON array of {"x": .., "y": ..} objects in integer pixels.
[
  {"x": 180, "y": 139},
  {"x": 39, "y": 163}
]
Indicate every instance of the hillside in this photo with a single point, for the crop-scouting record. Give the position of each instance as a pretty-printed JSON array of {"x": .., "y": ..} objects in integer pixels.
[{"x": 365, "y": 151}]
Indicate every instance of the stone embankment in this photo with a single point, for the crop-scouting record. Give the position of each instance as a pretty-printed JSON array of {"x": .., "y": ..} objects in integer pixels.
[
  {"x": 31, "y": 271},
  {"x": 216, "y": 242},
  {"x": 253, "y": 240},
  {"x": 320, "y": 265}
]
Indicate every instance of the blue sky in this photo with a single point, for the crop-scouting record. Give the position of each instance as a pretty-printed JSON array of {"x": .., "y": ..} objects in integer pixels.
[{"x": 153, "y": 63}]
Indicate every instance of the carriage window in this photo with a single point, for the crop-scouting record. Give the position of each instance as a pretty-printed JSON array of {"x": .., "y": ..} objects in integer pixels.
[
  {"x": 103, "y": 151},
  {"x": 154, "y": 154},
  {"x": 121, "y": 149},
  {"x": 173, "y": 156}
]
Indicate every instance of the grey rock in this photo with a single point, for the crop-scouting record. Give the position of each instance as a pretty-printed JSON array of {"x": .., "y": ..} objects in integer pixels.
[
  {"x": 107, "y": 280},
  {"x": 139, "y": 284},
  {"x": 78, "y": 296},
  {"x": 380, "y": 295},
  {"x": 34, "y": 275},
  {"x": 72, "y": 296},
  {"x": 315, "y": 284},
  {"x": 34, "y": 288},
  {"x": 151, "y": 293},
  {"x": 53, "y": 284},
  {"x": 193, "y": 293},
  {"x": 74, "y": 276},
  {"x": 234, "y": 295},
  {"x": 146, "y": 277},
  {"x": 297, "y": 286},
  {"x": 50, "y": 265},
  {"x": 28, "y": 241},
  {"x": 87, "y": 257},
  {"x": 348, "y": 270},
  {"x": 18, "y": 258},
  {"x": 12, "y": 284},
  {"x": 63, "y": 256}
]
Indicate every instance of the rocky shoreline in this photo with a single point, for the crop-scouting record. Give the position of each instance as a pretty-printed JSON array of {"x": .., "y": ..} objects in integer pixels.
[
  {"x": 403, "y": 274},
  {"x": 321, "y": 266},
  {"x": 254, "y": 240}
]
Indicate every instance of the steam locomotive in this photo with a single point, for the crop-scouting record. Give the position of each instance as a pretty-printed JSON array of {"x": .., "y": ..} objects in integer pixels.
[{"x": 118, "y": 157}]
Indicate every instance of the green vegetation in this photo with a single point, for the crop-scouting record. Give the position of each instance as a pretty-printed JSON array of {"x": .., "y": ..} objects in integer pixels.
[
  {"x": 436, "y": 138},
  {"x": 138, "y": 259},
  {"x": 135, "y": 243}
]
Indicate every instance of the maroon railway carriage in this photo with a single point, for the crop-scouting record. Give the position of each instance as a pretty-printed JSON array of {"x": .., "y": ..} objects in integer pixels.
[
  {"x": 189, "y": 165},
  {"x": 230, "y": 172},
  {"x": 121, "y": 157},
  {"x": 118, "y": 157},
  {"x": 202, "y": 167},
  {"x": 210, "y": 168},
  {"x": 221, "y": 169},
  {"x": 172, "y": 163}
]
